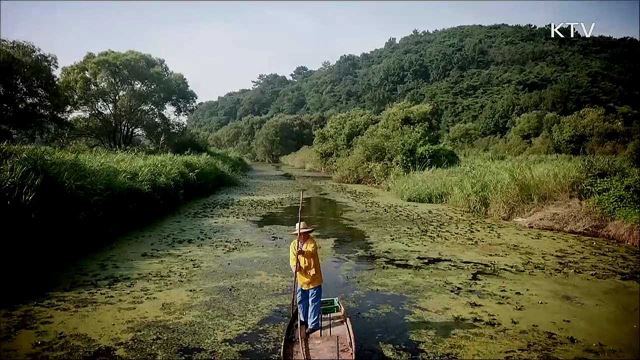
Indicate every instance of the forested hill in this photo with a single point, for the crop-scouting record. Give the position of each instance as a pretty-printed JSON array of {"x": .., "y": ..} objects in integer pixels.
[{"x": 487, "y": 75}]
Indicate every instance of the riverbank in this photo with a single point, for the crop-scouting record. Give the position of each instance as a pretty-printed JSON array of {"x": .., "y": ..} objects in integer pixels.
[
  {"x": 58, "y": 202},
  {"x": 593, "y": 196},
  {"x": 418, "y": 280}
]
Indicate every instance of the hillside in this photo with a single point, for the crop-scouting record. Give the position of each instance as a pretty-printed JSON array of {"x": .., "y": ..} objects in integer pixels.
[{"x": 486, "y": 75}]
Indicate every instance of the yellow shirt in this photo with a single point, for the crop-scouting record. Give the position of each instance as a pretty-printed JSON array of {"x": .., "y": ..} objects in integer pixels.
[{"x": 309, "y": 275}]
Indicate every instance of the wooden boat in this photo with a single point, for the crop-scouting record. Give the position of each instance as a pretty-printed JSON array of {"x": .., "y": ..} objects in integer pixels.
[{"x": 334, "y": 340}]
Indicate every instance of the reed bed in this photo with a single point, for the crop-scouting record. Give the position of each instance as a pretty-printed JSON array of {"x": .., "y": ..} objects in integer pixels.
[
  {"x": 500, "y": 188},
  {"x": 45, "y": 190}
]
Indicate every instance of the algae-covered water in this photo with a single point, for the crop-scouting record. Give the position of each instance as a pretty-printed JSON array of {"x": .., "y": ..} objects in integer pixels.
[{"x": 423, "y": 281}]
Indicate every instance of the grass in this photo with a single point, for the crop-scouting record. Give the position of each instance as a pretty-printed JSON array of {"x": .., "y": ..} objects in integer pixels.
[
  {"x": 500, "y": 188},
  {"x": 46, "y": 191},
  {"x": 305, "y": 158}
]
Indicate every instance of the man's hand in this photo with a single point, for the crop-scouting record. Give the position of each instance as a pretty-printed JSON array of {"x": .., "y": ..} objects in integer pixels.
[{"x": 294, "y": 269}]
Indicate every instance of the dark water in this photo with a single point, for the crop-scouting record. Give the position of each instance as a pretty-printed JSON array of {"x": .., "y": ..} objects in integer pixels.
[{"x": 351, "y": 247}]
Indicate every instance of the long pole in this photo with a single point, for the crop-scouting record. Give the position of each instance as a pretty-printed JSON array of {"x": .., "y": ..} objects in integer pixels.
[{"x": 295, "y": 279}]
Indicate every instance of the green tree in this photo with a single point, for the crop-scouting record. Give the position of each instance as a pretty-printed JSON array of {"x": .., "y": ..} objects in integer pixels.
[
  {"x": 301, "y": 72},
  {"x": 463, "y": 134},
  {"x": 282, "y": 135},
  {"x": 588, "y": 131},
  {"x": 120, "y": 94},
  {"x": 337, "y": 138},
  {"x": 487, "y": 76},
  {"x": 399, "y": 140},
  {"x": 529, "y": 125},
  {"x": 239, "y": 136},
  {"x": 264, "y": 93},
  {"x": 31, "y": 103}
]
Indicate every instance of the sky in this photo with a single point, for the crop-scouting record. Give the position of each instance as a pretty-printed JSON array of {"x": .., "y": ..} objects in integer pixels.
[{"x": 222, "y": 46}]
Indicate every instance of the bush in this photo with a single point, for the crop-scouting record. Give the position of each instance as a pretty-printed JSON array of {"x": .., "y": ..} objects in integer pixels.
[
  {"x": 588, "y": 131},
  {"x": 354, "y": 169},
  {"x": 282, "y": 135},
  {"x": 238, "y": 136},
  {"x": 427, "y": 156},
  {"x": 542, "y": 145},
  {"x": 337, "y": 138},
  {"x": 633, "y": 152},
  {"x": 529, "y": 125},
  {"x": 188, "y": 143},
  {"x": 461, "y": 135},
  {"x": 612, "y": 185}
]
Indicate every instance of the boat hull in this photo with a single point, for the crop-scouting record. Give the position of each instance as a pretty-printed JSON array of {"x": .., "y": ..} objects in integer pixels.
[{"x": 335, "y": 340}]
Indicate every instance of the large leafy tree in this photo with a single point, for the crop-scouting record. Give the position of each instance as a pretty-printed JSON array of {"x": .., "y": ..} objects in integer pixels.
[
  {"x": 121, "y": 96},
  {"x": 31, "y": 102},
  {"x": 282, "y": 135}
]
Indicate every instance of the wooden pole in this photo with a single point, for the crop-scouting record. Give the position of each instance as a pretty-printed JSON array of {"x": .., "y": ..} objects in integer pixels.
[{"x": 295, "y": 279}]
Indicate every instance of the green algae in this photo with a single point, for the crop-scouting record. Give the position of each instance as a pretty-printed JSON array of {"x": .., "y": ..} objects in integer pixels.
[{"x": 212, "y": 281}]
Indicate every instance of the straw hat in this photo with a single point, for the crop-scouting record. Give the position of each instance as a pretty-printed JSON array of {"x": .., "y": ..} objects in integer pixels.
[{"x": 302, "y": 227}]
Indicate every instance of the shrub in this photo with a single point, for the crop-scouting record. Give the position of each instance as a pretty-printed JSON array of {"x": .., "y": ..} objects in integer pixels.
[
  {"x": 616, "y": 197},
  {"x": 588, "y": 131},
  {"x": 282, "y": 135},
  {"x": 188, "y": 142},
  {"x": 612, "y": 185},
  {"x": 633, "y": 152},
  {"x": 239, "y": 136},
  {"x": 461, "y": 135},
  {"x": 529, "y": 125},
  {"x": 337, "y": 138},
  {"x": 427, "y": 156},
  {"x": 542, "y": 145},
  {"x": 354, "y": 169}
]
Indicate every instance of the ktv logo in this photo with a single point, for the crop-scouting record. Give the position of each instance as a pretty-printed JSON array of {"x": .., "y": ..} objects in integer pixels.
[{"x": 555, "y": 29}]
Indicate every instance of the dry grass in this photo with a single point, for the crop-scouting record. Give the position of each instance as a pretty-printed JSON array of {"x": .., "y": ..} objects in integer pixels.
[
  {"x": 305, "y": 158},
  {"x": 577, "y": 217}
]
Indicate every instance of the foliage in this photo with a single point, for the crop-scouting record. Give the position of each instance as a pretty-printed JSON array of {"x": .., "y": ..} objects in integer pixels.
[
  {"x": 282, "y": 135},
  {"x": 509, "y": 187},
  {"x": 633, "y": 152},
  {"x": 337, "y": 138},
  {"x": 306, "y": 158},
  {"x": 402, "y": 139},
  {"x": 238, "y": 136},
  {"x": 500, "y": 188},
  {"x": 463, "y": 134},
  {"x": 31, "y": 102},
  {"x": 188, "y": 142},
  {"x": 588, "y": 131},
  {"x": 508, "y": 90},
  {"x": 123, "y": 95},
  {"x": 613, "y": 186},
  {"x": 428, "y": 156},
  {"x": 484, "y": 76},
  {"x": 46, "y": 188}
]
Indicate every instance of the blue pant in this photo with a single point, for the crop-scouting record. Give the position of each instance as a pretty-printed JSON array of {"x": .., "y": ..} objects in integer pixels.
[{"x": 309, "y": 306}]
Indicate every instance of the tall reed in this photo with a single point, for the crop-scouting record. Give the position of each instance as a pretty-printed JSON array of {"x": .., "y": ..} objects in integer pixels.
[{"x": 501, "y": 188}]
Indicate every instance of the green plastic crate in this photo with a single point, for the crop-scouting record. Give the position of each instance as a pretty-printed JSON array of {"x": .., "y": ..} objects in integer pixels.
[{"x": 329, "y": 305}]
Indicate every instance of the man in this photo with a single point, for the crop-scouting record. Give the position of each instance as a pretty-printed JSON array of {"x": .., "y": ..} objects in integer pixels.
[{"x": 309, "y": 275}]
